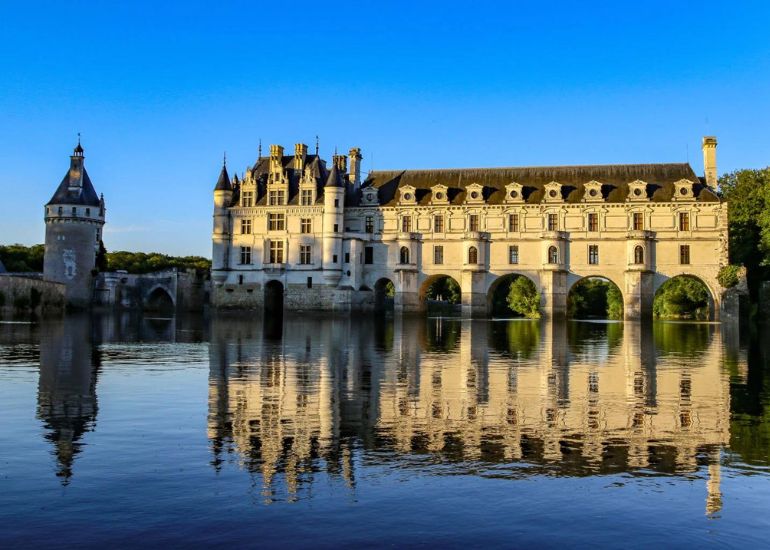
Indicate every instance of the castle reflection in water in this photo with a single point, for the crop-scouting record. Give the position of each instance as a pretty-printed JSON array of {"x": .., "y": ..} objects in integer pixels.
[
  {"x": 510, "y": 398},
  {"x": 306, "y": 395}
]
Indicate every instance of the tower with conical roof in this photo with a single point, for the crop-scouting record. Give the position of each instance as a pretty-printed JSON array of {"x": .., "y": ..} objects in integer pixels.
[
  {"x": 74, "y": 218},
  {"x": 223, "y": 196}
]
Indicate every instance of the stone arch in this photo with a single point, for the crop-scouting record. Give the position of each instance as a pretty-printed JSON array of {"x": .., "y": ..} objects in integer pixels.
[
  {"x": 425, "y": 287},
  {"x": 273, "y": 298},
  {"x": 384, "y": 294},
  {"x": 582, "y": 280},
  {"x": 159, "y": 299},
  {"x": 499, "y": 283},
  {"x": 712, "y": 297}
]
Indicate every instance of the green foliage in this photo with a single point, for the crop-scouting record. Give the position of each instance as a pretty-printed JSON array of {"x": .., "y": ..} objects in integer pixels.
[
  {"x": 444, "y": 289},
  {"x": 141, "y": 262},
  {"x": 748, "y": 196},
  {"x": 728, "y": 275},
  {"x": 390, "y": 290},
  {"x": 682, "y": 297},
  {"x": 101, "y": 258},
  {"x": 595, "y": 298},
  {"x": 20, "y": 258},
  {"x": 523, "y": 298}
]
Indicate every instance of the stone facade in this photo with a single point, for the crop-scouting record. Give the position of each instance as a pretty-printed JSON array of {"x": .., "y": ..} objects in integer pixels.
[
  {"x": 324, "y": 239},
  {"x": 30, "y": 294}
]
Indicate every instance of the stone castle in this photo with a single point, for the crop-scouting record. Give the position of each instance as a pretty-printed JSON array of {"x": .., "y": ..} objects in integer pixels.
[{"x": 298, "y": 232}]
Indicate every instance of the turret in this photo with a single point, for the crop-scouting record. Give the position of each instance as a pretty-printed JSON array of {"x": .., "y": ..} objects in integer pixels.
[
  {"x": 334, "y": 214},
  {"x": 74, "y": 218},
  {"x": 710, "y": 160},
  {"x": 223, "y": 196}
]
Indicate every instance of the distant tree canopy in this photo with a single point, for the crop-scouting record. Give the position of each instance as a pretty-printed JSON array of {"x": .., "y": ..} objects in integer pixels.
[
  {"x": 19, "y": 258},
  {"x": 748, "y": 196},
  {"x": 141, "y": 262},
  {"x": 444, "y": 289},
  {"x": 595, "y": 298}
]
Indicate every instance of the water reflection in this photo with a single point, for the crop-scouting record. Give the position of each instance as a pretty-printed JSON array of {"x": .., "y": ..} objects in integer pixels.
[{"x": 513, "y": 398}]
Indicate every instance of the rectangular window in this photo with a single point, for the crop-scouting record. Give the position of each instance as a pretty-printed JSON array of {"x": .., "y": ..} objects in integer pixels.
[
  {"x": 305, "y": 225},
  {"x": 276, "y": 221},
  {"x": 336, "y": 228},
  {"x": 347, "y": 257},
  {"x": 276, "y": 252},
  {"x": 684, "y": 254},
  {"x": 638, "y": 221},
  {"x": 684, "y": 221},
  {"x": 245, "y": 255},
  {"x": 334, "y": 259},
  {"x": 240, "y": 279},
  {"x": 438, "y": 254},
  {"x": 88, "y": 211},
  {"x": 406, "y": 224},
  {"x": 275, "y": 198},
  {"x": 305, "y": 254},
  {"x": 593, "y": 222},
  {"x": 553, "y": 222},
  {"x": 336, "y": 203},
  {"x": 513, "y": 254},
  {"x": 306, "y": 197},
  {"x": 310, "y": 282},
  {"x": 245, "y": 227},
  {"x": 473, "y": 222},
  {"x": 247, "y": 198},
  {"x": 513, "y": 222},
  {"x": 438, "y": 224},
  {"x": 369, "y": 224},
  {"x": 368, "y": 255},
  {"x": 593, "y": 254}
]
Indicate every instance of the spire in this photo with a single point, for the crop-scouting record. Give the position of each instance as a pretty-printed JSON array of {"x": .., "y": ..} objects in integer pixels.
[
  {"x": 334, "y": 179},
  {"x": 223, "y": 183},
  {"x": 316, "y": 146},
  {"x": 78, "y": 152}
]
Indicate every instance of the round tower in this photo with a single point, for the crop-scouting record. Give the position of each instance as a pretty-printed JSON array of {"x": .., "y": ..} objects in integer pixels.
[
  {"x": 334, "y": 214},
  {"x": 223, "y": 196},
  {"x": 74, "y": 218}
]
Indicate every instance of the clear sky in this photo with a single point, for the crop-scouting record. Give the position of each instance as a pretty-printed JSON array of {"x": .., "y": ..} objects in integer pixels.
[{"x": 160, "y": 89}]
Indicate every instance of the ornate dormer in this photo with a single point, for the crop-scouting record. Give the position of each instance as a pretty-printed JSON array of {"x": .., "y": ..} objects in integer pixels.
[
  {"x": 438, "y": 194},
  {"x": 514, "y": 193},
  {"x": 552, "y": 192},
  {"x": 369, "y": 196},
  {"x": 474, "y": 194},
  {"x": 683, "y": 190},
  {"x": 407, "y": 195},
  {"x": 277, "y": 173},
  {"x": 593, "y": 192},
  {"x": 308, "y": 186},
  {"x": 637, "y": 191}
]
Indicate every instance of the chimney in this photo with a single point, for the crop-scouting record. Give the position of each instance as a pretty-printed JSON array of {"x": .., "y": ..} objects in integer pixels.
[
  {"x": 355, "y": 166},
  {"x": 341, "y": 162},
  {"x": 276, "y": 159},
  {"x": 300, "y": 154},
  {"x": 710, "y": 161}
]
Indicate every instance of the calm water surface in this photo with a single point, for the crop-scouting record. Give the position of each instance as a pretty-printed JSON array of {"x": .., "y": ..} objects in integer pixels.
[{"x": 330, "y": 432}]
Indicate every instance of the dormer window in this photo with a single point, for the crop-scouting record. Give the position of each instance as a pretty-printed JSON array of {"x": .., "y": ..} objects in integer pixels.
[
  {"x": 553, "y": 192},
  {"x": 683, "y": 190},
  {"x": 474, "y": 194},
  {"x": 514, "y": 192},
  {"x": 439, "y": 195},
  {"x": 637, "y": 190},
  {"x": 408, "y": 195},
  {"x": 369, "y": 196},
  {"x": 593, "y": 192}
]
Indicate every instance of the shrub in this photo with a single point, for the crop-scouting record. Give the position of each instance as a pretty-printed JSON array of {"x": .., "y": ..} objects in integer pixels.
[
  {"x": 728, "y": 275},
  {"x": 523, "y": 298}
]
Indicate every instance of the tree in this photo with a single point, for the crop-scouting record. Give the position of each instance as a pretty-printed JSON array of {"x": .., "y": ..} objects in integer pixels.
[
  {"x": 445, "y": 289},
  {"x": 19, "y": 258},
  {"x": 682, "y": 297},
  {"x": 523, "y": 298}
]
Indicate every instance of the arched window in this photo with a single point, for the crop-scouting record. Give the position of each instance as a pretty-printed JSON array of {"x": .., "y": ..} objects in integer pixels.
[
  {"x": 639, "y": 255},
  {"x": 553, "y": 255},
  {"x": 473, "y": 255},
  {"x": 404, "y": 256}
]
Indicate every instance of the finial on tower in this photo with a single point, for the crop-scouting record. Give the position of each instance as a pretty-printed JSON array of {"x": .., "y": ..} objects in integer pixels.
[
  {"x": 79, "y": 148},
  {"x": 224, "y": 158},
  {"x": 259, "y": 150},
  {"x": 316, "y": 146}
]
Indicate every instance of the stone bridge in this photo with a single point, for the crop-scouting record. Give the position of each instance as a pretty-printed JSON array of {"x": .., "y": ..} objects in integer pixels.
[{"x": 160, "y": 291}]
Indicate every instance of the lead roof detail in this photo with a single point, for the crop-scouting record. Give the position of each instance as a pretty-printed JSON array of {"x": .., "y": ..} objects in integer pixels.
[{"x": 76, "y": 187}]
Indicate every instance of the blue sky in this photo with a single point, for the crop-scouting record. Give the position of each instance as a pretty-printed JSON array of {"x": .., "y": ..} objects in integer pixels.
[{"x": 160, "y": 90}]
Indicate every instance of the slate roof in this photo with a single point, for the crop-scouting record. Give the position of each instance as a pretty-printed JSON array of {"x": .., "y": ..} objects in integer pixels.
[
  {"x": 614, "y": 178},
  {"x": 223, "y": 183},
  {"x": 317, "y": 165},
  {"x": 84, "y": 194}
]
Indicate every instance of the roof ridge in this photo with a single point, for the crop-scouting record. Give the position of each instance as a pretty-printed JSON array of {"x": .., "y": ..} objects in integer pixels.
[{"x": 541, "y": 167}]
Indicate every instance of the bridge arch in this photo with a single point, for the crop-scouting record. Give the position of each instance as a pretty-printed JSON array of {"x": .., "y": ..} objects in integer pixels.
[
  {"x": 273, "y": 297},
  {"x": 159, "y": 299},
  {"x": 441, "y": 291},
  {"x": 384, "y": 294},
  {"x": 685, "y": 301},
  {"x": 498, "y": 292},
  {"x": 595, "y": 296}
]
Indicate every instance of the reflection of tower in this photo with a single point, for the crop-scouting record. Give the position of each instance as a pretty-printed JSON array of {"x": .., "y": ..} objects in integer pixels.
[
  {"x": 714, "y": 499},
  {"x": 69, "y": 366}
]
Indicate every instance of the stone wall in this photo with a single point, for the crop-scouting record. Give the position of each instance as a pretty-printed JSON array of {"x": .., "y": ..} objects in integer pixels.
[{"x": 28, "y": 294}]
